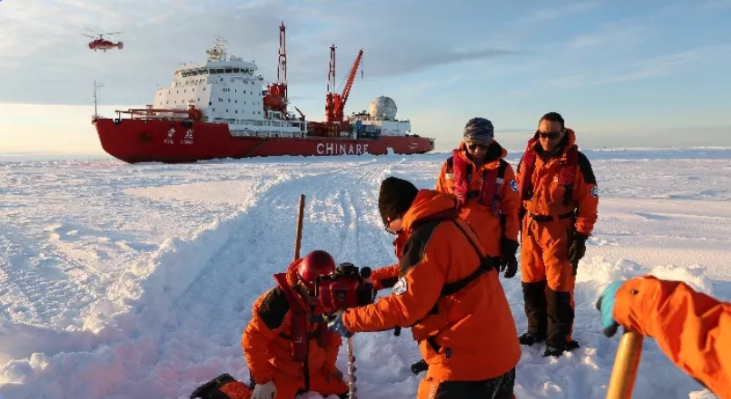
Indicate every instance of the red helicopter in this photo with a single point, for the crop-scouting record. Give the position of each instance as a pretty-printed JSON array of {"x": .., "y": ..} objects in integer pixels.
[{"x": 99, "y": 43}]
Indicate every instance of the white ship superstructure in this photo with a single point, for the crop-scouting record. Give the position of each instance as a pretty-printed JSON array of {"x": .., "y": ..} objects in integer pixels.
[
  {"x": 227, "y": 90},
  {"x": 381, "y": 117}
]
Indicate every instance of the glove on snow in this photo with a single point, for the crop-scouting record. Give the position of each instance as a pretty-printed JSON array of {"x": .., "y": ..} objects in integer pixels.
[
  {"x": 605, "y": 304},
  {"x": 577, "y": 250},
  {"x": 509, "y": 263},
  {"x": 335, "y": 324},
  {"x": 264, "y": 391}
]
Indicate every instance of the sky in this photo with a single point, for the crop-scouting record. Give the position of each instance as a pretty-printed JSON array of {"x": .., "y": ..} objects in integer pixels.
[{"x": 622, "y": 73}]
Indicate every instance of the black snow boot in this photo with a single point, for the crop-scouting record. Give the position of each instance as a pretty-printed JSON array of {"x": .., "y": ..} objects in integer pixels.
[
  {"x": 529, "y": 339},
  {"x": 558, "y": 350}
]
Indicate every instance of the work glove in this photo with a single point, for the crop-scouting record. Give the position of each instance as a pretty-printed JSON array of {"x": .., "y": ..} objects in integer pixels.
[
  {"x": 605, "y": 305},
  {"x": 577, "y": 250},
  {"x": 264, "y": 391},
  {"x": 335, "y": 324},
  {"x": 508, "y": 262}
]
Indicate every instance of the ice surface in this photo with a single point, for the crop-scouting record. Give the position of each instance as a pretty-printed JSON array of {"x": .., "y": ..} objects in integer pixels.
[{"x": 136, "y": 281}]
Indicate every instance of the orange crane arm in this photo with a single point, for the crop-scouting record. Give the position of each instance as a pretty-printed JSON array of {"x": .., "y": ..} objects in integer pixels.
[{"x": 351, "y": 77}]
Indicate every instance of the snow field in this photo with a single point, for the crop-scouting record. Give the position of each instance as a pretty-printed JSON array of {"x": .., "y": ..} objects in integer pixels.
[{"x": 136, "y": 281}]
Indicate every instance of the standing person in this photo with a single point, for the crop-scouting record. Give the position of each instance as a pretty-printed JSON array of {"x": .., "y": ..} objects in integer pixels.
[
  {"x": 450, "y": 295},
  {"x": 485, "y": 187},
  {"x": 691, "y": 328},
  {"x": 559, "y": 201}
]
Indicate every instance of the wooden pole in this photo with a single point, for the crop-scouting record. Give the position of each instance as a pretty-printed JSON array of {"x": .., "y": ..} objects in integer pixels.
[
  {"x": 298, "y": 239},
  {"x": 626, "y": 364}
]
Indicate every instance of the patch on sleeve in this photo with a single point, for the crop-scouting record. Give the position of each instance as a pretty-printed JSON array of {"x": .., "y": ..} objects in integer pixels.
[
  {"x": 514, "y": 185},
  {"x": 595, "y": 192},
  {"x": 401, "y": 286}
]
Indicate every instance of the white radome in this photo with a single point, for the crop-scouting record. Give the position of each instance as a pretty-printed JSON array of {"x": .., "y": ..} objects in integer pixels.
[{"x": 382, "y": 108}]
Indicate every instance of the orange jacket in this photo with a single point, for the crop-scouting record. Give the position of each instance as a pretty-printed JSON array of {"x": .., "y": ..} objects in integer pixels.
[
  {"x": 266, "y": 350},
  {"x": 548, "y": 194},
  {"x": 473, "y": 329},
  {"x": 693, "y": 329},
  {"x": 486, "y": 225},
  {"x": 385, "y": 277}
]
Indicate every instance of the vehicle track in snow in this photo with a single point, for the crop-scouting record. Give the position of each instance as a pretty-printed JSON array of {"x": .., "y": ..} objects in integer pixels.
[
  {"x": 185, "y": 327},
  {"x": 201, "y": 337},
  {"x": 196, "y": 323}
]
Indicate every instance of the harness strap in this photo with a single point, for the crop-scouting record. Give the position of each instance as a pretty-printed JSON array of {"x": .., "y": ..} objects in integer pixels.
[
  {"x": 550, "y": 218},
  {"x": 454, "y": 287},
  {"x": 299, "y": 312},
  {"x": 485, "y": 266}
]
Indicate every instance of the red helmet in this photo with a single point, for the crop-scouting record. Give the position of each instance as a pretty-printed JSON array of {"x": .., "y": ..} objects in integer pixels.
[{"x": 315, "y": 263}]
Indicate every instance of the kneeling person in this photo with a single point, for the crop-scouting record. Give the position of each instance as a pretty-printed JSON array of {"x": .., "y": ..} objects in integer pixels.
[{"x": 286, "y": 353}]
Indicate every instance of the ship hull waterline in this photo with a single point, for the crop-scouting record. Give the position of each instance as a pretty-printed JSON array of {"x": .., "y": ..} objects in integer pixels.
[{"x": 139, "y": 140}]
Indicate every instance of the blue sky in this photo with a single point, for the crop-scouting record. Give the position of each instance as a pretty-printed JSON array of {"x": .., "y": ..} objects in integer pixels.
[{"x": 623, "y": 73}]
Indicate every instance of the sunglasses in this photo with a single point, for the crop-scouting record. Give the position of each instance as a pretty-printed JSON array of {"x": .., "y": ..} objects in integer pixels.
[
  {"x": 551, "y": 135},
  {"x": 475, "y": 146}
]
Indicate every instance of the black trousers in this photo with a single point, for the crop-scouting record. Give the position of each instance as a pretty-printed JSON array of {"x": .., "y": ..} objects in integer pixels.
[
  {"x": 494, "y": 388},
  {"x": 550, "y": 315}
]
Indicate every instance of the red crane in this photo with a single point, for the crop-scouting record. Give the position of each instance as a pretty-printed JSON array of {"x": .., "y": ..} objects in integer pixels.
[
  {"x": 334, "y": 102},
  {"x": 276, "y": 96}
]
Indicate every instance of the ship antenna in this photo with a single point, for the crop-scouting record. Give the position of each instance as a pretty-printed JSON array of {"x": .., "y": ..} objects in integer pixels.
[
  {"x": 218, "y": 51},
  {"x": 96, "y": 87}
]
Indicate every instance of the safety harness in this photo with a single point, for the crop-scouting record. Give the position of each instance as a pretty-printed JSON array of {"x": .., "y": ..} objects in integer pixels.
[
  {"x": 489, "y": 192},
  {"x": 299, "y": 335},
  {"x": 454, "y": 287},
  {"x": 566, "y": 177}
]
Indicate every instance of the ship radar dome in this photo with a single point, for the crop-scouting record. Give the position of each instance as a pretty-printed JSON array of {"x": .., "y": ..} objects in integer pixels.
[{"x": 383, "y": 108}]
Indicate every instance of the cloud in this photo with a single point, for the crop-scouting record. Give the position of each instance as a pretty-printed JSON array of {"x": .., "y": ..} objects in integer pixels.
[
  {"x": 50, "y": 62},
  {"x": 640, "y": 70},
  {"x": 552, "y": 13},
  {"x": 612, "y": 34},
  {"x": 716, "y": 4}
]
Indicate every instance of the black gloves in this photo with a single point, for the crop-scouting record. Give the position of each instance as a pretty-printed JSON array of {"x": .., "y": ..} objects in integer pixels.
[
  {"x": 508, "y": 262},
  {"x": 577, "y": 250}
]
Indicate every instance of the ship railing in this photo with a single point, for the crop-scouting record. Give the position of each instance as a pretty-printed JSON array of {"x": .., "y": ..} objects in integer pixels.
[
  {"x": 162, "y": 113},
  {"x": 264, "y": 133}
]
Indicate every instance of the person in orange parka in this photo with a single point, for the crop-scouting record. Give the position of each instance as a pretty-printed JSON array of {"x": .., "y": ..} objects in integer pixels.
[
  {"x": 692, "y": 328},
  {"x": 279, "y": 367},
  {"x": 559, "y": 204},
  {"x": 448, "y": 292},
  {"x": 485, "y": 186}
]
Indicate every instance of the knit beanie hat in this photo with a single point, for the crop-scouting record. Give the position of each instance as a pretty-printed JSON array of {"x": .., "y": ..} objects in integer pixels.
[
  {"x": 395, "y": 198},
  {"x": 479, "y": 130}
]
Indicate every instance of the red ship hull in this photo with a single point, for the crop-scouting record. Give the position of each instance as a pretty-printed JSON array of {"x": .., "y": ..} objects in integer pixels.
[{"x": 139, "y": 140}]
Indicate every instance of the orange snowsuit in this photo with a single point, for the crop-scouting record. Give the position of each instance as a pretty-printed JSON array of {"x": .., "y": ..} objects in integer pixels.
[
  {"x": 490, "y": 226},
  {"x": 267, "y": 347},
  {"x": 467, "y": 335},
  {"x": 553, "y": 212},
  {"x": 692, "y": 328}
]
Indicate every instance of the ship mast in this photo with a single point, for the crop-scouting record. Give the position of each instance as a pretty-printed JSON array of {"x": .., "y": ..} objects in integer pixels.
[
  {"x": 276, "y": 93},
  {"x": 96, "y": 87},
  {"x": 282, "y": 61}
]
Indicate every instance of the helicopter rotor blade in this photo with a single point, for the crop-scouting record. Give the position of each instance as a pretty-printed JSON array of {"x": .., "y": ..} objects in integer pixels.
[
  {"x": 112, "y": 33},
  {"x": 84, "y": 34}
]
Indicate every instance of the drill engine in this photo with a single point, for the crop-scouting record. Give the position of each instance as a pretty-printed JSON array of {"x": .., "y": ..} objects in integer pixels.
[{"x": 346, "y": 287}]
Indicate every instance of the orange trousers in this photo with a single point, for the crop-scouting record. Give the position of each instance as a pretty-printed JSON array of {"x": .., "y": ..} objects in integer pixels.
[{"x": 548, "y": 278}]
